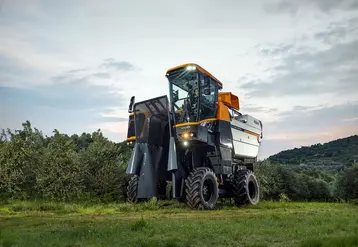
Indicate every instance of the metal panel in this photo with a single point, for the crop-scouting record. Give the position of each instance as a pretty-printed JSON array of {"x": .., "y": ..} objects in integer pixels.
[
  {"x": 151, "y": 117},
  {"x": 245, "y": 145}
]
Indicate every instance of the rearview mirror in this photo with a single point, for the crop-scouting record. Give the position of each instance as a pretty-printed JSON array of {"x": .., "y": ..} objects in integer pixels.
[{"x": 130, "y": 109}]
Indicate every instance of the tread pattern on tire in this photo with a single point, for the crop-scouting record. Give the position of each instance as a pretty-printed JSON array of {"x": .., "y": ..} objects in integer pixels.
[
  {"x": 240, "y": 187},
  {"x": 193, "y": 187},
  {"x": 132, "y": 189}
]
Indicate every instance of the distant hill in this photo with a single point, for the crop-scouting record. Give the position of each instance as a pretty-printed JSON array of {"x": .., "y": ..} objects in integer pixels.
[{"x": 334, "y": 155}]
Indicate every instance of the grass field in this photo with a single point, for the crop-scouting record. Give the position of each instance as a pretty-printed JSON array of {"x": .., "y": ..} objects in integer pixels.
[{"x": 172, "y": 224}]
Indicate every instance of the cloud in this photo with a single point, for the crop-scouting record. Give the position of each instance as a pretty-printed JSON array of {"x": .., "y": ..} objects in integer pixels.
[
  {"x": 293, "y": 6},
  {"x": 253, "y": 108},
  {"x": 51, "y": 52},
  {"x": 12, "y": 70},
  {"x": 75, "y": 94},
  {"x": 301, "y": 70},
  {"x": 102, "y": 75},
  {"x": 280, "y": 49},
  {"x": 338, "y": 32},
  {"x": 304, "y": 126},
  {"x": 111, "y": 63},
  {"x": 74, "y": 71},
  {"x": 306, "y": 122},
  {"x": 71, "y": 101}
]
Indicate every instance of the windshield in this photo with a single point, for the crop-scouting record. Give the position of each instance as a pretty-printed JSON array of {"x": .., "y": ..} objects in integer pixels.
[{"x": 184, "y": 90}]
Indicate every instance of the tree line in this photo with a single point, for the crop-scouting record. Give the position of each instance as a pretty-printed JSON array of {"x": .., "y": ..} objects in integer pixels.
[
  {"x": 91, "y": 167},
  {"x": 331, "y": 156},
  {"x": 278, "y": 181}
]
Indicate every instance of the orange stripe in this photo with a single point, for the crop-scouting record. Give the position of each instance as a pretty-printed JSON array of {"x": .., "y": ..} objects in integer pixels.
[
  {"x": 131, "y": 138},
  {"x": 251, "y": 133},
  {"x": 194, "y": 123},
  {"x": 198, "y": 67}
]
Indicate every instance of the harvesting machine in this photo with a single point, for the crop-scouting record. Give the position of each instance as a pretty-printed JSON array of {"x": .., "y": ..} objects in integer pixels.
[{"x": 196, "y": 140}]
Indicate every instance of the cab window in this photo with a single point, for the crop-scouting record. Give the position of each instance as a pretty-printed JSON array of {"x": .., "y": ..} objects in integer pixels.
[{"x": 208, "y": 98}]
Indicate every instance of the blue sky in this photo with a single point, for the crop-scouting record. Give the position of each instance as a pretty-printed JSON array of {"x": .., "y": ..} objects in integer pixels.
[{"x": 73, "y": 65}]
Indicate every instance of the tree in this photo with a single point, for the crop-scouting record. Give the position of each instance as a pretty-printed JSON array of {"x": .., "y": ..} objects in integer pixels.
[
  {"x": 61, "y": 173},
  {"x": 105, "y": 174},
  {"x": 347, "y": 184},
  {"x": 20, "y": 153}
]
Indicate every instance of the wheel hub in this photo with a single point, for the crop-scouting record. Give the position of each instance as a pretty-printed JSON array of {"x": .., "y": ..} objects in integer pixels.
[{"x": 207, "y": 190}]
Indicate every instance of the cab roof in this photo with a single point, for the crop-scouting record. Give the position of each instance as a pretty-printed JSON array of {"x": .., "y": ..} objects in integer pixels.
[{"x": 201, "y": 69}]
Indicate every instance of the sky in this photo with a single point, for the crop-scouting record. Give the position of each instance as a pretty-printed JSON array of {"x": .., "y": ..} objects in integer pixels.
[{"x": 73, "y": 65}]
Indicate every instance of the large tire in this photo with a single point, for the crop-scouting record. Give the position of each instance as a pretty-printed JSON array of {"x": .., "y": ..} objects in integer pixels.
[
  {"x": 132, "y": 189},
  {"x": 201, "y": 189},
  {"x": 245, "y": 188}
]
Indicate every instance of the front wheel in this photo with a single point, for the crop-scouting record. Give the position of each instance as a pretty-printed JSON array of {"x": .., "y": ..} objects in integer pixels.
[{"x": 201, "y": 189}]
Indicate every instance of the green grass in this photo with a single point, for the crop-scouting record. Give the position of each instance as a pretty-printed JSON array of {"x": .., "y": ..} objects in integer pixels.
[{"x": 36, "y": 223}]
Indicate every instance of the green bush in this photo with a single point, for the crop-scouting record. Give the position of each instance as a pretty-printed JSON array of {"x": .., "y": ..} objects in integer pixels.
[
  {"x": 61, "y": 167},
  {"x": 347, "y": 184},
  {"x": 92, "y": 168},
  {"x": 279, "y": 181}
]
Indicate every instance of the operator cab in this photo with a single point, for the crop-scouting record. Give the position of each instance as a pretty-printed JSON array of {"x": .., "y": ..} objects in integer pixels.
[{"x": 193, "y": 93}]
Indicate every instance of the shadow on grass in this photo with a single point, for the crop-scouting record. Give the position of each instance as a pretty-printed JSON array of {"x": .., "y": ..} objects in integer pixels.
[{"x": 344, "y": 241}]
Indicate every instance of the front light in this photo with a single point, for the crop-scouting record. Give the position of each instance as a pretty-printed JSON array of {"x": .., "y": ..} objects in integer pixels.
[
  {"x": 185, "y": 143},
  {"x": 187, "y": 135},
  {"x": 191, "y": 68}
]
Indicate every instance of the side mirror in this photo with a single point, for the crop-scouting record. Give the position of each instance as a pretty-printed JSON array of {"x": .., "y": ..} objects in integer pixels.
[{"x": 130, "y": 109}]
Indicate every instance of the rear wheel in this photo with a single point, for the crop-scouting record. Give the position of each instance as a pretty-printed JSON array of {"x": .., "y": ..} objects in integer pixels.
[
  {"x": 132, "y": 189},
  {"x": 245, "y": 188},
  {"x": 201, "y": 189}
]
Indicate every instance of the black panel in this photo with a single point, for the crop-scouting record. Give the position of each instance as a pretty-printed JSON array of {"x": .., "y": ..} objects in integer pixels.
[
  {"x": 202, "y": 134},
  {"x": 149, "y": 159},
  {"x": 226, "y": 155},
  {"x": 151, "y": 119},
  {"x": 131, "y": 130},
  {"x": 224, "y": 142},
  {"x": 224, "y": 129}
]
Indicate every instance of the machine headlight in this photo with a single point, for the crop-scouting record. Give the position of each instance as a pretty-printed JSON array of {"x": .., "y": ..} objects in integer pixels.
[
  {"x": 191, "y": 68},
  {"x": 187, "y": 135}
]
